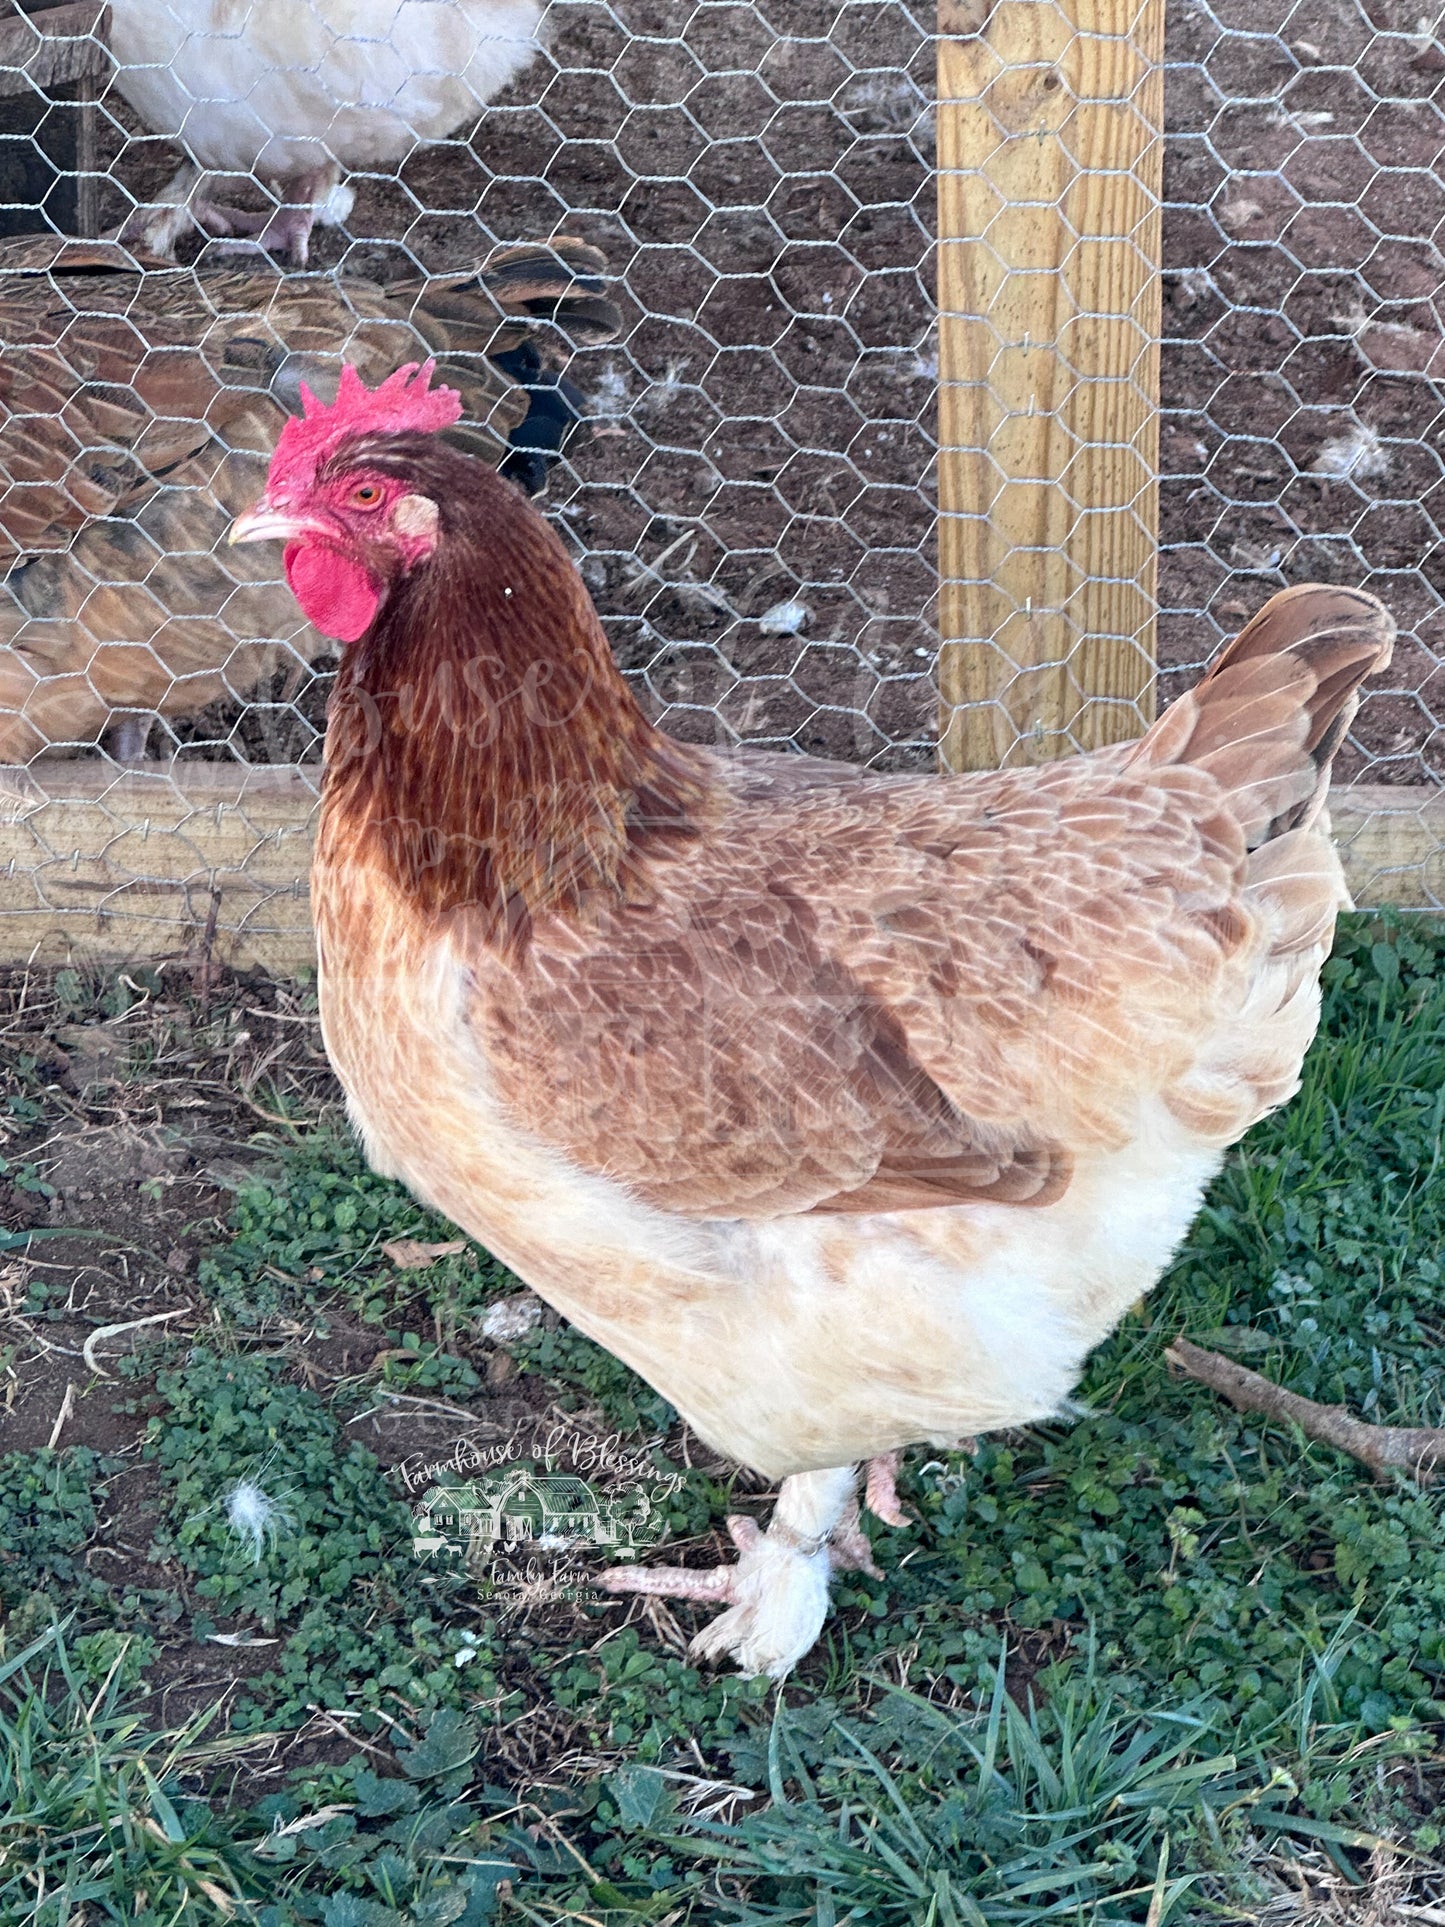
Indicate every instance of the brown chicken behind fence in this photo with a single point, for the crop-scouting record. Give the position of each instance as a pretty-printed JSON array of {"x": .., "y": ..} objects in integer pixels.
[{"x": 139, "y": 403}]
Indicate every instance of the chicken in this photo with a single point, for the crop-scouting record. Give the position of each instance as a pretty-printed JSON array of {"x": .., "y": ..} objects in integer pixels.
[
  {"x": 136, "y": 415},
  {"x": 295, "y": 91},
  {"x": 851, "y": 1110}
]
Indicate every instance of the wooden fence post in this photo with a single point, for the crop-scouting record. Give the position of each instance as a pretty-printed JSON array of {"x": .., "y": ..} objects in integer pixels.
[
  {"x": 1050, "y": 123},
  {"x": 51, "y": 55}
]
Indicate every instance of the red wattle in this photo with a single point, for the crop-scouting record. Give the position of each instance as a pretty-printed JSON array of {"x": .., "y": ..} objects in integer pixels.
[{"x": 335, "y": 593}]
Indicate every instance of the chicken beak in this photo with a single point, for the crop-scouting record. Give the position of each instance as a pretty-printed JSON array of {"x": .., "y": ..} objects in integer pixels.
[{"x": 264, "y": 522}]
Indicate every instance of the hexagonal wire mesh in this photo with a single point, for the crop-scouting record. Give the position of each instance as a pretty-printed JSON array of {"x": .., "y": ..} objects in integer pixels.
[
  {"x": 753, "y": 504},
  {"x": 1303, "y": 352}
]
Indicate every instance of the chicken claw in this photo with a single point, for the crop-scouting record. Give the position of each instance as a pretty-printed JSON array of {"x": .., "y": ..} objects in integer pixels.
[
  {"x": 848, "y": 1547},
  {"x": 776, "y": 1596},
  {"x": 712, "y": 1585},
  {"x": 777, "y": 1593}
]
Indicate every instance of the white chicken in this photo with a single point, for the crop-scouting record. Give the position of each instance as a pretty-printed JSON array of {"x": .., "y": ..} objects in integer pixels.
[{"x": 298, "y": 91}]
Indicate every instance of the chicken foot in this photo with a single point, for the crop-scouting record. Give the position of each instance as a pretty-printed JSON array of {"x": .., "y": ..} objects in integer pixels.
[
  {"x": 777, "y": 1591},
  {"x": 156, "y": 227},
  {"x": 316, "y": 196}
]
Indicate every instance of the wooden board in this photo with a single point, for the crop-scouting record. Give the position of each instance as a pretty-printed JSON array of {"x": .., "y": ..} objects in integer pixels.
[
  {"x": 118, "y": 867},
  {"x": 109, "y": 865},
  {"x": 1049, "y": 153},
  {"x": 1393, "y": 844},
  {"x": 54, "y": 47},
  {"x": 54, "y": 62}
]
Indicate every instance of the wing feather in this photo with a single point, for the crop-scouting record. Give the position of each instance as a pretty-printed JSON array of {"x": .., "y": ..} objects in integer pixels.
[{"x": 927, "y": 993}]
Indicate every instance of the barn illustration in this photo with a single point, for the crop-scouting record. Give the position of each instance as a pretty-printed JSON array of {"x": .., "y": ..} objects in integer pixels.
[{"x": 526, "y": 1505}]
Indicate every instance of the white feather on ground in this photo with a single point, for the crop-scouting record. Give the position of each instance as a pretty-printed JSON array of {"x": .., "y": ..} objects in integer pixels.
[
  {"x": 254, "y": 1518},
  {"x": 785, "y": 619},
  {"x": 511, "y": 1318},
  {"x": 1356, "y": 455}
]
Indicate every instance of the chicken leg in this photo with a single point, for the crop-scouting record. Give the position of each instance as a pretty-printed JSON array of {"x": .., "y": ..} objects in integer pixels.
[
  {"x": 777, "y": 1592},
  {"x": 318, "y": 196},
  {"x": 125, "y": 741}
]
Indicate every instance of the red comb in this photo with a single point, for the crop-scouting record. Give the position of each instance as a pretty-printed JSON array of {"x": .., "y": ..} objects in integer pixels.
[{"x": 404, "y": 404}]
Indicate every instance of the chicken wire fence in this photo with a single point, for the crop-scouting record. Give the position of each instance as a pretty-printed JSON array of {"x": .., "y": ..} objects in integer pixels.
[{"x": 750, "y": 490}]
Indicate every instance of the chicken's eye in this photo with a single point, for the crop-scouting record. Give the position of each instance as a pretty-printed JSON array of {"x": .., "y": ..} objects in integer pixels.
[{"x": 365, "y": 495}]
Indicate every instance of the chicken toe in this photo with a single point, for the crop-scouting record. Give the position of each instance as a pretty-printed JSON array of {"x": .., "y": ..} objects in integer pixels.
[
  {"x": 186, "y": 208},
  {"x": 155, "y": 227},
  {"x": 286, "y": 232},
  {"x": 777, "y": 1593},
  {"x": 880, "y": 1489},
  {"x": 849, "y": 1549},
  {"x": 317, "y": 198},
  {"x": 712, "y": 1585}
]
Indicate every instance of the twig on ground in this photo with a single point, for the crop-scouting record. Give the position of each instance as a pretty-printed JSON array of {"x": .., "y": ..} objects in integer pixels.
[
  {"x": 87, "y": 1351},
  {"x": 332, "y": 1720},
  {"x": 1384, "y": 1448},
  {"x": 67, "y": 1406},
  {"x": 421, "y": 1407},
  {"x": 206, "y": 971},
  {"x": 46, "y": 1344}
]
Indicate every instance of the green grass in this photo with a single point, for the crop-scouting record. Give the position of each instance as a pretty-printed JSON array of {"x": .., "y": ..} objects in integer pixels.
[
  {"x": 94, "y": 1821},
  {"x": 312, "y": 1234},
  {"x": 1223, "y": 1642},
  {"x": 360, "y": 1617},
  {"x": 1080, "y": 1811},
  {"x": 920, "y": 1812}
]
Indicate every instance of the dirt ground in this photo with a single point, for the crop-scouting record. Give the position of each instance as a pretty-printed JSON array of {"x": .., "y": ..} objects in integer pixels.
[
  {"x": 138, "y": 1124},
  {"x": 1302, "y": 306},
  {"x": 762, "y": 431}
]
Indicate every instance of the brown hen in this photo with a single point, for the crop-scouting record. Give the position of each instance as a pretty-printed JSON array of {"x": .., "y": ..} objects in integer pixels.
[
  {"x": 137, "y": 411},
  {"x": 849, "y": 1109}
]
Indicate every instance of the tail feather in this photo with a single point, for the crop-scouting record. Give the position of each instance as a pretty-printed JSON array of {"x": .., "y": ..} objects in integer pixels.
[
  {"x": 499, "y": 305},
  {"x": 558, "y": 280},
  {"x": 1268, "y": 718},
  {"x": 1296, "y": 878},
  {"x": 521, "y": 312},
  {"x": 1265, "y": 724}
]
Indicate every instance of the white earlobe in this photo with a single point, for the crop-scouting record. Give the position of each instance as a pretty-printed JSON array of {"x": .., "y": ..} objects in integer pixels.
[{"x": 416, "y": 515}]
